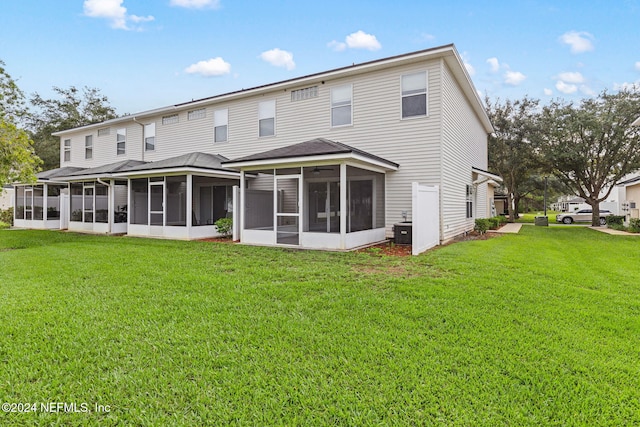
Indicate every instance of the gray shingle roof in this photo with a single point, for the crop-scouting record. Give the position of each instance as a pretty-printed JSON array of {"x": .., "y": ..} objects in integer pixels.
[
  {"x": 190, "y": 160},
  {"x": 107, "y": 169},
  {"x": 314, "y": 147},
  {"x": 54, "y": 173}
]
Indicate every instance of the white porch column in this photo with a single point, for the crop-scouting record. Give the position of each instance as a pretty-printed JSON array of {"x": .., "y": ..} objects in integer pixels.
[
  {"x": 344, "y": 209},
  {"x": 241, "y": 206},
  {"x": 45, "y": 193}
]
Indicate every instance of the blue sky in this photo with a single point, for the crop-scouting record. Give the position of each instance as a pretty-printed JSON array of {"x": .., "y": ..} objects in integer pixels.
[{"x": 145, "y": 54}]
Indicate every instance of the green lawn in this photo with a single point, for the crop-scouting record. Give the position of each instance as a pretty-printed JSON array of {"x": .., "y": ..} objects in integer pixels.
[{"x": 539, "y": 328}]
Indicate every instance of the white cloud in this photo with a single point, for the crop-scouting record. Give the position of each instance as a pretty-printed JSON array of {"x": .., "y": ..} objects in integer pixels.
[
  {"x": 196, "y": 4},
  {"x": 570, "y": 77},
  {"x": 357, "y": 40},
  {"x": 587, "y": 90},
  {"x": 279, "y": 58},
  {"x": 632, "y": 87},
  {"x": 337, "y": 46},
  {"x": 579, "y": 41},
  {"x": 113, "y": 11},
  {"x": 210, "y": 68},
  {"x": 495, "y": 65},
  {"x": 514, "y": 78},
  {"x": 566, "y": 88},
  {"x": 637, "y": 66},
  {"x": 470, "y": 69},
  {"x": 548, "y": 92}
]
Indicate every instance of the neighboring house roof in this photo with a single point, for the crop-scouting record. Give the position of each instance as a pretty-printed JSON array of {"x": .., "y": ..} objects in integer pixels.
[
  {"x": 190, "y": 160},
  {"x": 319, "y": 147},
  {"x": 58, "y": 172},
  {"x": 630, "y": 181},
  {"x": 447, "y": 52}
]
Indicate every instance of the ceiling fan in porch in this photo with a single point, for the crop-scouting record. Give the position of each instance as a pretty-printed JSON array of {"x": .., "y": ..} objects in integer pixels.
[{"x": 316, "y": 170}]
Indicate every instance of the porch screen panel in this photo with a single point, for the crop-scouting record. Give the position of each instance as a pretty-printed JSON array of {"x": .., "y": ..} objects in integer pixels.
[
  {"x": 38, "y": 202},
  {"x": 76, "y": 202},
  {"x": 380, "y": 206},
  {"x": 19, "y": 211},
  {"x": 53, "y": 201},
  {"x": 176, "y": 200},
  {"x": 157, "y": 203},
  {"x": 139, "y": 203},
  {"x": 120, "y": 190},
  {"x": 258, "y": 200},
  {"x": 102, "y": 203},
  {"x": 359, "y": 199},
  {"x": 88, "y": 203}
]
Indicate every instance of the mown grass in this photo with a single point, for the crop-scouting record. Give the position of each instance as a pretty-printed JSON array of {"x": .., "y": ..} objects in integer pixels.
[{"x": 540, "y": 328}]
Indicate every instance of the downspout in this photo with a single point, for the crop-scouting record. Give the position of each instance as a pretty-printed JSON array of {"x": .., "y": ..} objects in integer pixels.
[{"x": 141, "y": 124}]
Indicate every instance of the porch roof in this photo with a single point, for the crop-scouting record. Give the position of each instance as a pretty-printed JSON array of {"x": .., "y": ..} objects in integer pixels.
[
  {"x": 319, "y": 149},
  {"x": 631, "y": 181},
  {"x": 104, "y": 171},
  {"x": 52, "y": 174},
  {"x": 190, "y": 162}
]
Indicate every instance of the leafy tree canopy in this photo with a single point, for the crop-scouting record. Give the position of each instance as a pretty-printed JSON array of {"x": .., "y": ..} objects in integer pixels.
[
  {"x": 72, "y": 108},
  {"x": 592, "y": 145}
]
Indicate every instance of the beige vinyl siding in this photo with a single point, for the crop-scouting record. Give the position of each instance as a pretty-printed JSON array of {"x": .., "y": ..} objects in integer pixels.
[{"x": 464, "y": 140}]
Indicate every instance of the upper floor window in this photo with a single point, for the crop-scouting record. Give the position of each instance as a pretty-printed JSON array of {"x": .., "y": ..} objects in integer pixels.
[
  {"x": 88, "y": 147},
  {"x": 414, "y": 95},
  {"x": 104, "y": 131},
  {"x": 220, "y": 125},
  {"x": 67, "y": 150},
  {"x": 267, "y": 118},
  {"x": 121, "y": 141},
  {"x": 168, "y": 120},
  {"x": 197, "y": 114},
  {"x": 150, "y": 137},
  {"x": 341, "y": 105}
]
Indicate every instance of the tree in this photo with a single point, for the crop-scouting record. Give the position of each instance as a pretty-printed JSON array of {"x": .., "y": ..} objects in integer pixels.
[
  {"x": 591, "y": 146},
  {"x": 18, "y": 163},
  {"x": 74, "y": 108},
  {"x": 511, "y": 152}
]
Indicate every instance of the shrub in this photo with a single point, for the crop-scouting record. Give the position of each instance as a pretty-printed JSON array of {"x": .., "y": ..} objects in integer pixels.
[
  {"x": 494, "y": 223},
  {"x": 634, "y": 225},
  {"x": 4, "y": 225},
  {"x": 615, "y": 219},
  {"x": 6, "y": 216},
  {"x": 225, "y": 226},
  {"x": 482, "y": 225}
]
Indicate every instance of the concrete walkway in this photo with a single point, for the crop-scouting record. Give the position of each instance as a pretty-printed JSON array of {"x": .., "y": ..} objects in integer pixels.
[
  {"x": 615, "y": 232},
  {"x": 511, "y": 228}
]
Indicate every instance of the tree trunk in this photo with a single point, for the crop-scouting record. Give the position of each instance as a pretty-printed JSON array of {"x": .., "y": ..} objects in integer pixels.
[
  {"x": 595, "y": 215},
  {"x": 512, "y": 218},
  {"x": 516, "y": 204}
]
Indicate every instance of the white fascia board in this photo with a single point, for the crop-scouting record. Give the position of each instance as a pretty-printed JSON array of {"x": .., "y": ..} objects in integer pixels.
[
  {"x": 178, "y": 171},
  {"x": 309, "y": 161},
  {"x": 636, "y": 123},
  {"x": 487, "y": 174}
]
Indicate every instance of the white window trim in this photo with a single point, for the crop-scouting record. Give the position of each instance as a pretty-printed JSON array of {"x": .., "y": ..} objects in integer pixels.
[
  {"x": 332, "y": 107},
  {"x": 88, "y": 147},
  {"x": 66, "y": 148},
  {"x": 426, "y": 92},
  {"x": 225, "y": 122},
  {"x": 121, "y": 131},
  {"x": 275, "y": 125},
  {"x": 148, "y": 134}
]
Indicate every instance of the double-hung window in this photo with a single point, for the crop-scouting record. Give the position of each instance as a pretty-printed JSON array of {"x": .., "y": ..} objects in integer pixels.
[
  {"x": 121, "y": 141},
  {"x": 88, "y": 147},
  {"x": 469, "y": 201},
  {"x": 414, "y": 95},
  {"x": 220, "y": 125},
  {"x": 267, "y": 118},
  {"x": 150, "y": 137},
  {"x": 341, "y": 103},
  {"x": 67, "y": 150}
]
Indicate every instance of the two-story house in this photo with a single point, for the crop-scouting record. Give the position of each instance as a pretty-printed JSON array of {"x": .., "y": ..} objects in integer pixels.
[{"x": 321, "y": 161}]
